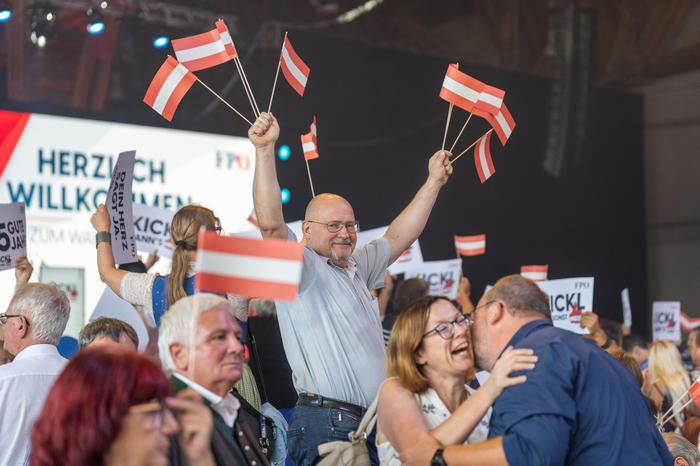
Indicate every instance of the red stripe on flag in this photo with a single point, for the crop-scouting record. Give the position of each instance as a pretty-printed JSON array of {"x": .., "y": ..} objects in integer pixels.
[
  {"x": 207, "y": 62},
  {"x": 196, "y": 40},
  {"x": 309, "y": 138},
  {"x": 694, "y": 391},
  {"x": 12, "y": 126},
  {"x": 298, "y": 62},
  {"x": 177, "y": 94},
  {"x": 296, "y": 58},
  {"x": 465, "y": 80},
  {"x": 223, "y": 29},
  {"x": 495, "y": 92},
  {"x": 157, "y": 82},
  {"x": 244, "y": 287},
  {"x": 470, "y": 239},
  {"x": 269, "y": 248},
  {"x": 533, "y": 268},
  {"x": 484, "y": 142},
  {"x": 502, "y": 136}
]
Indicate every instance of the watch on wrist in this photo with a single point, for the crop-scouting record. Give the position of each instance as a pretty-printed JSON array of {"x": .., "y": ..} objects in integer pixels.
[
  {"x": 438, "y": 459},
  {"x": 102, "y": 237},
  {"x": 607, "y": 343}
]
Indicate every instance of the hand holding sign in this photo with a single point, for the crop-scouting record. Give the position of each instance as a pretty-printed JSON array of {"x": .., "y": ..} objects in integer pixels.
[
  {"x": 100, "y": 219},
  {"x": 23, "y": 271},
  {"x": 13, "y": 234},
  {"x": 120, "y": 210}
]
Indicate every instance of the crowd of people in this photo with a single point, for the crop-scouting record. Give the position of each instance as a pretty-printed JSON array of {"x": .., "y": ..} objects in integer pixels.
[{"x": 229, "y": 380}]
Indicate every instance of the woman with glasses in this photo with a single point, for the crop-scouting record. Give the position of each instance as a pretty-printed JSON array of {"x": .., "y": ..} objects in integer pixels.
[
  {"x": 429, "y": 362},
  {"x": 109, "y": 408}
]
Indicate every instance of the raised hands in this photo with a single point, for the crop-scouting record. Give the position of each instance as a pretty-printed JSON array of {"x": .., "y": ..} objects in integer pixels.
[
  {"x": 439, "y": 167},
  {"x": 265, "y": 131}
]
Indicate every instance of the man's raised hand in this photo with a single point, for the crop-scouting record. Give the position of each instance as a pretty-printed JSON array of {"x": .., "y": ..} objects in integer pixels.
[
  {"x": 439, "y": 167},
  {"x": 264, "y": 131}
]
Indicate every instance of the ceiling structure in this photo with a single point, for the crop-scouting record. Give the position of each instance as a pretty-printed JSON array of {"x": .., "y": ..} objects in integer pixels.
[{"x": 637, "y": 41}]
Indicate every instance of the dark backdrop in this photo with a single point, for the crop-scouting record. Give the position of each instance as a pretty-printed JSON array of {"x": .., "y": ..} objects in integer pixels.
[{"x": 379, "y": 120}]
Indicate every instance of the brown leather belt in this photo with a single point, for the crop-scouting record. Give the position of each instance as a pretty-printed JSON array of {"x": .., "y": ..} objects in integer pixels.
[{"x": 311, "y": 399}]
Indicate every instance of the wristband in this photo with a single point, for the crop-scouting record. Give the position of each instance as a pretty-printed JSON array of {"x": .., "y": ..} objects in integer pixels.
[
  {"x": 607, "y": 343},
  {"x": 438, "y": 459},
  {"x": 102, "y": 237}
]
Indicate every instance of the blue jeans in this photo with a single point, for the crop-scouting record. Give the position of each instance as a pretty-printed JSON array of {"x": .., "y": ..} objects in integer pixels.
[{"x": 314, "y": 425}]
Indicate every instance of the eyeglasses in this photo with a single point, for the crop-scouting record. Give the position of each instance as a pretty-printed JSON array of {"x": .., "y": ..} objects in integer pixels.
[
  {"x": 335, "y": 227},
  {"x": 486, "y": 304},
  {"x": 446, "y": 330},
  {"x": 154, "y": 409},
  {"x": 4, "y": 317}
]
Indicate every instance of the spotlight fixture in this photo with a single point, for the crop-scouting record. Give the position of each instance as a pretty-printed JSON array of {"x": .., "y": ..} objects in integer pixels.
[
  {"x": 43, "y": 21},
  {"x": 96, "y": 24},
  {"x": 161, "y": 41},
  {"x": 5, "y": 11}
]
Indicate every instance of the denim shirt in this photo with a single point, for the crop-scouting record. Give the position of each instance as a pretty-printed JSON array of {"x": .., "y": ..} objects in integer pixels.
[{"x": 579, "y": 406}]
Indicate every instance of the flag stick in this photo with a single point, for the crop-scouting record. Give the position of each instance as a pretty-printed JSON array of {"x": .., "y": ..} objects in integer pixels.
[
  {"x": 467, "y": 149},
  {"x": 274, "y": 84},
  {"x": 670, "y": 410},
  {"x": 447, "y": 125},
  {"x": 241, "y": 71},
  {"x": 221, "y": 99},
  {"x": 308, "y": 170},
  {"x": 245, "y": 87},
  {"x": 664, "y": 419},
  {"x": 461, "y": 131}
]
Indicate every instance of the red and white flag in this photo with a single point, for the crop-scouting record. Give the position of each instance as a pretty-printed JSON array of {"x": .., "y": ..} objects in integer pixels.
[
  {"x": 268, "y": 269},
  {"x": 460, "y": 89},
  {"x": 470, "y": 245},
  {"x": 308, "y": 143},
  {"x": 226, "y": 38},
  {"x": 482, "y": 157},
  {"x": 313, "y": 128},
  {"x": 491, "y": 99},
  {"x": 168, "y": 87},
  {"x": 293, "y": 67},
  {"x": 694, "y": 392},
  {"x": 501, "y": 122},
  {"x": 537, "y": 273},
  {"x": 201, "y": 51},
  {"x": 689, "y": 323}
]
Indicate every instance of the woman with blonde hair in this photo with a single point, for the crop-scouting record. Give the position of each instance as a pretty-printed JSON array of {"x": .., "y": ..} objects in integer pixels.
[
  {"x": 429, "y": 361},
  {"x": 667, "y": 381}
]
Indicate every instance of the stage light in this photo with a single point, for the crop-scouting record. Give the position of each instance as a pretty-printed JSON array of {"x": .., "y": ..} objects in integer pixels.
[
  {"x": 96, "y": 24},
  {"x": 161, "y": 41},
  {"x": 284, "y": 152},
  {"x": 286, "y": 195},
  {"x": 5, "y": 11},
  {"x": 42, "y": 24}
]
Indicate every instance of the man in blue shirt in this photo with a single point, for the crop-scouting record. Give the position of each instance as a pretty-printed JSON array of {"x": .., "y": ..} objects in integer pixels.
[{"x": 578, "y": 407}]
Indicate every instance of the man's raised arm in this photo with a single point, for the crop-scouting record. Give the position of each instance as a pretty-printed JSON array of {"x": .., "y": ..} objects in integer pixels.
[
  {"x": 267, "y": 199},
  {"x": 408, "y": 226}
]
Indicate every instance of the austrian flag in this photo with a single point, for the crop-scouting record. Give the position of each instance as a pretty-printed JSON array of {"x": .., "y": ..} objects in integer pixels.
[
  {"x": 226, "y": 38},
  {"x": 293, "y": 67},
  {"x": 537, "y": 273},
  {"x": 201, "y": 51},
  {"x": 470, "y": 245},
  {"x": 461, "y": 89},
  {"x": 308, "y": 143},
  {"x": 482, "y": 157},
  {"x": 268, "y": 269},
  {"x": 502, "y": 122},
  {"x": 169, "y": 86}
]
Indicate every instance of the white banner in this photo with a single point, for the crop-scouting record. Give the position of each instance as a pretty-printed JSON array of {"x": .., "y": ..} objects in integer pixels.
[
  {"x": 666, "y": 320},
  {"x": 119, "y": 207},
  {"x": 410, "y": 259},
  {"x": 13, "y": 234},
  {"x": 152, "y": 229},
  {"x": 442, "y": 276},
  {"x": 72, "y": 281},
  {"x": 568, "y": 298},
  {"x": 111, "y": 305},
  {"x": 626, "y": 308},
  {"x": 60, "y": 168}
]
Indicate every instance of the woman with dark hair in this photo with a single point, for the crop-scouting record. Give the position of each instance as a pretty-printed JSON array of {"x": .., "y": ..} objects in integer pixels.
[
  {"x": 429, "y": 362},
  {"x": 108, "y": 408}
]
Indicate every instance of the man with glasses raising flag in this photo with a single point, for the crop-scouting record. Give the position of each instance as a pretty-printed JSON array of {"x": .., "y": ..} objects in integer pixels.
[{"x": 332, "y": 333}]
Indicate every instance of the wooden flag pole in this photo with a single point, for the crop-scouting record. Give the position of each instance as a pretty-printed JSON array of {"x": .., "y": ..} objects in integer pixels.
[
  {"x": 274, "y": 84},
  {"x": 226, "y": 103},
  {"x": 241, "y": 72},
  {"x": 447, "y": 125},
  {"x": 311, "y": 183},
  {"x": 245, "y": 87},
  {"x": 461, "y": 131},
  {"x": 665, "y": 418},
  {"x": 472, "y": 145}
]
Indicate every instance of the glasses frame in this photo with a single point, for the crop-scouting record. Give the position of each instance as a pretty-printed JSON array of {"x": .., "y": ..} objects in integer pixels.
[
  {"x": 452, "y": 326},
  {"x": 154, "y": 408},
  {"x": 355, "y": 226},
  {"x": 486, "y": 304},
  {"x": 4, "y": 317}
]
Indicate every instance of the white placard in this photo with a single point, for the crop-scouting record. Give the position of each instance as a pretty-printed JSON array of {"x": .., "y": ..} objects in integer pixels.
[
  {"x": 568, "y": 298},
  {"x": 442, "y": 276},
  {"x": 152, "y": 229},
  {"x": 410, "y": 259},
  {"x": 13, "y": 234},
  {"x": 111, "y": 305},
  {"x": 626, "y": 308},
  {"x": 71, "y": 280},
  {"x": 120, "y": 210},
  {"x": 666, "y": 320}
]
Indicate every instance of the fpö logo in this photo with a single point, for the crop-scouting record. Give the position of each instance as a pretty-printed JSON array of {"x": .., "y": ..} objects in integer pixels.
[{"x": 227, "y": 160}]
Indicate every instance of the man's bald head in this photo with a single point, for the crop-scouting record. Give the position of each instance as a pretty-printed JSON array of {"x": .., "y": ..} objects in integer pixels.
[
  {"x": 335, "y": 245},
  {"x": 319, "y": 204}
]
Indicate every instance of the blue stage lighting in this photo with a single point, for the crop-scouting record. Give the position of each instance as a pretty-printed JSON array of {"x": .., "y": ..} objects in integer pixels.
[
  {"x": 284, "y": 152},
  {"x": 161, "y": 42},
  {"x": 96, "y": 24},
  {"x": 286, "y": 195},
  {"x": 5, "y": 14}
]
